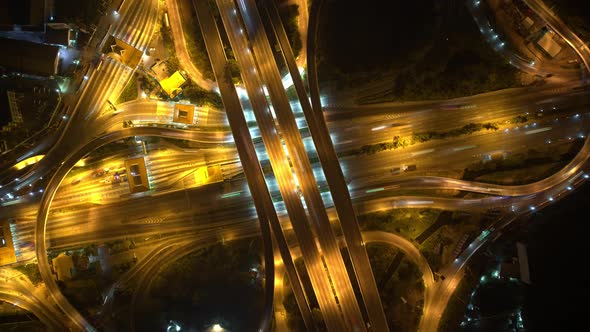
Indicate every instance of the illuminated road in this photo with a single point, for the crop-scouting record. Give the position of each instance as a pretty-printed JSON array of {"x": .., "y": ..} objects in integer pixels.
[
  {"x": 136, "y": 22},
  {"x": 18, "y": 290},
  {"x": 278, "y": 158},
  {"x": 368, "y": 173},
  {"x": 181, "y": 50},
  {"x": 561, "y": 29}
]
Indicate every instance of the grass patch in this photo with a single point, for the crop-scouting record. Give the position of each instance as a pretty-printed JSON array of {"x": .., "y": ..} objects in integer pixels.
[
  {"x": 402, "y": 142},
  {"x": 200, "y": 96},
  {"x": 408, "y": 223},
  {"x": 402, "y": 314},
  {"x": 195, "y": 45},
  {"x": 522, "y": 176},
  {"x": 129, "y": 92},
  {"x": 212, "y": 284},
  {"x": 526, "y": 167},
  {"x": 31, "y": 270}
]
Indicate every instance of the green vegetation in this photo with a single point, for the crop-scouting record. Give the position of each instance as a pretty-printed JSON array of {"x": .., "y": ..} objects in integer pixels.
[
  {"x": 519, "y": 119},
  {"x": 216, "y": 283},
  {"x": 402, "y": 142},
  {"x": 129, "y": 92},
  {"x": 168, "y": 41},
  {"x": 84, "y": 289},
  {"x": 118, "y": 246},
  {"x": 200, "y": 96},
  {"x": 444, "y": 56},
  {"x": 526, "y": 167},
  {"x": 408, "y": 223},
  {"x": 172, "y": 65},
  {"x": 434, "y": 232},
  {"x": 146, "y": 82},
  {"x": 523, "y": 175},
  {"x": 403, "y": 294},
  {"x": 406, "y": 281},
  {"x": 467, "y": 129},
  {"x": 289, "y": 15},
  {"x": 195, "y": 43},
  {"x": 31, "y": 270}
]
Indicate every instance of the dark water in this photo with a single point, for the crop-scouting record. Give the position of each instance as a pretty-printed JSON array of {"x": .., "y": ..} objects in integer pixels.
[{"x": 558, "y": 248}]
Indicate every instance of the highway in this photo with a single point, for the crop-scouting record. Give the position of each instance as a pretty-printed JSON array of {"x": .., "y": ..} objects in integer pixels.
[
  {"x": 389, "y": 120},
  {"x": 368, "y": 173},
  {"x": 18, "y": 290},
  {"x": 136, "y": 30},
  {"x": 335, "y": 179},
  {"x": 278, "y": 158},
  {"x": 535, "y": 66},
  {"x": 269, "y": 73},
  {"x": 134, "y": 25},
  {"x": 263, "y": 201},
  {"x": 432, "y": 186},
  {"x": 147, "y": 131},
  {"x": 181, "y": 50},
  {"x": 561, "y": 29}
]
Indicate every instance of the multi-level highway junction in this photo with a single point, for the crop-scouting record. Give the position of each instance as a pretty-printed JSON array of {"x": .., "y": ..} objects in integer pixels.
[{"x": 293, "y": 137}]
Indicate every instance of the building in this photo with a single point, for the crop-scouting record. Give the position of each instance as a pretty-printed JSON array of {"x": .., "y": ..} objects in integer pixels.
[
  {"x": 63, "y": 266},
  {"x": 184, "y": 113},
  {"x": 523, "y": 261},
  {"x": 26, "y": 15},
  {"x": 518, "y": 267},
  {"x": 548, "y": 44},
  {"x": 137, "y": 175},
  {"x": 58, "y": 35},
  {"x": 7, "y": 253},
  {"x": 15, "y": 101},
  {"x": 29, "y": 58},
  {"x": 173, "y": 84}
]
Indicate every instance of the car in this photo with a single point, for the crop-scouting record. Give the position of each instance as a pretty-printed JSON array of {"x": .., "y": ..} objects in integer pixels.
[{"x": 409, "y": 168}]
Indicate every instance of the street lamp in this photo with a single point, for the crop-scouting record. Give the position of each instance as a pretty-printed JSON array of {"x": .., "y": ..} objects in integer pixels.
[
  {"x": 173, "y": 326},
  {"x": 217, "y": 328}
]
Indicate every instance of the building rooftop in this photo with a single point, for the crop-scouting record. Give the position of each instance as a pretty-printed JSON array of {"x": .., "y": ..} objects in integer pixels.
[
  {"x": 184, "y": 113},
  {"x": 173, "y": 84},
  {"x": 56, "y": 36},
  {"x": 549, "y": 45},
  {"x": 137, "y": 175},
  {"x": 121, "y": 51},
  {"x": 27, "y": 57}
]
